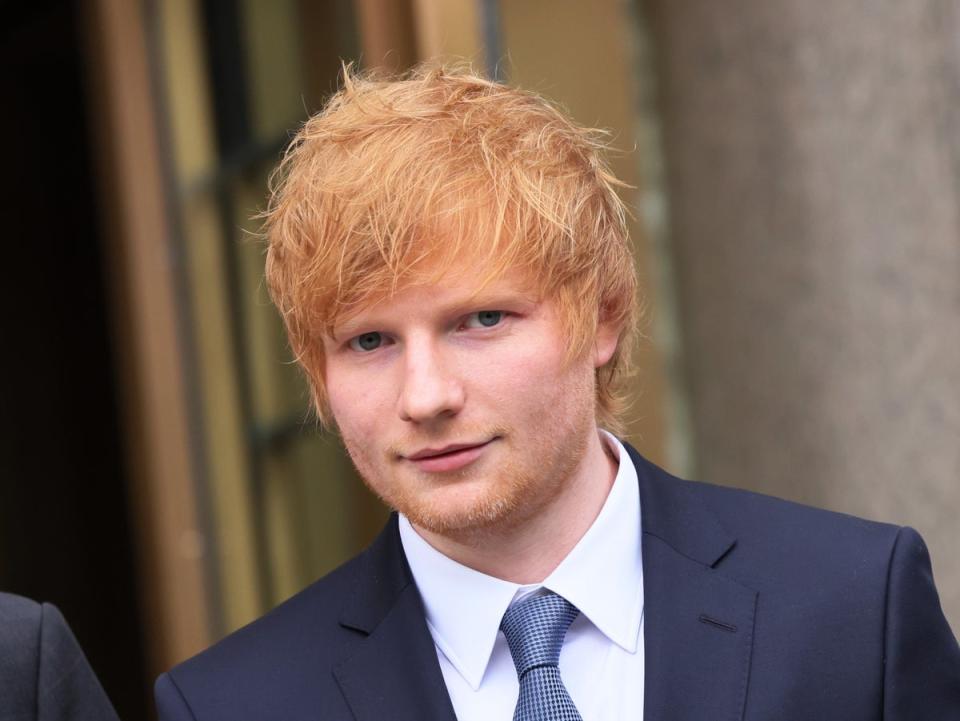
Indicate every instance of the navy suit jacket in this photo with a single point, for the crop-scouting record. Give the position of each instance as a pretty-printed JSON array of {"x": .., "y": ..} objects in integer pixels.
[
  {"x": 44, "y": 675},
  {"x": 755, "y": 608}
]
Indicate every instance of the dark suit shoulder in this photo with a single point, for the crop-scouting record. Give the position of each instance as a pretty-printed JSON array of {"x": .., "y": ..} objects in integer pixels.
[
  {"x": 751, "y": 512},
  {"x": 311, "y": 612},
  {"x": 786, "y": 548},
  {"x": 45, "y": 674},
  {"x": 862, "y": 592},
  {"x": 308, "y": 612},
  {"x": 772, "y": 543},
  {"x": 294, "y": 647},
  {"x": 20, "y": 620},
  {"x": 14, "y": 609}
]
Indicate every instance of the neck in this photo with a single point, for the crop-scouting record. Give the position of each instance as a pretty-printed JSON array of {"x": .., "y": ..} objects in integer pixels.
[{"x": 527, "y": 550}]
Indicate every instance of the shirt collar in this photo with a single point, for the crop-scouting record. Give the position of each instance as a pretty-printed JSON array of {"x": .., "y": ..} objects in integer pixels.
[{"x": 602, "y": 576}]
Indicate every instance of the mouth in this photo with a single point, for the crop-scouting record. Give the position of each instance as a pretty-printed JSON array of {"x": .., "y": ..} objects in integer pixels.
[{"x": 448, "y": 458}]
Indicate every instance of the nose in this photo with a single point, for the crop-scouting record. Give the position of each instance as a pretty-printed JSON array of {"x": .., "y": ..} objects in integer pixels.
[{"x": 431, "y": 386}]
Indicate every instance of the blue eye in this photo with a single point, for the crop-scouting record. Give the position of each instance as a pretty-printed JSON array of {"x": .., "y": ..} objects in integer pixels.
[
  {"x": 484, "y": 318},
  {"x": 366, "y": 342}
]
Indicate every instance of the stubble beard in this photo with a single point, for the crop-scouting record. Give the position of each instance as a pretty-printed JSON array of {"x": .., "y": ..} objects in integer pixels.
[
  {"x": 510, "y": 488},
  {"x": 507, "y": 493}
]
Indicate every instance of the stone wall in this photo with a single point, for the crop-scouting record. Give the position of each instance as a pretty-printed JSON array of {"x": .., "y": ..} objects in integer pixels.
[{"x": 813, "y": 154}]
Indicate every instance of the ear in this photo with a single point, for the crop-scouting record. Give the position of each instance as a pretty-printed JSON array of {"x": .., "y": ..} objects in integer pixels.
[{"x": 605, "y": 342}]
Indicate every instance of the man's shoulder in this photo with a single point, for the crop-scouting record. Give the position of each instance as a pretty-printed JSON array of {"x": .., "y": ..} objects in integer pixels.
[
  {"x": 44, "y": 667},
  {"x": 751, "y": 512},
  {"x": 852, "y": 600},
  {"x": 17, "y": 612},
  {"x": 771, "y": 538},
  {"x": 782, "y": 543},
  {"x": 291, "y": 650},
  {"x": 20, "y": 621},
  {"x": 311, "y": 612}
]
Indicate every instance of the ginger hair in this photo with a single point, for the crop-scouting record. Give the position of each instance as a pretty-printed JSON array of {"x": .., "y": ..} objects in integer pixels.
[{"x": 443, "y": 165}]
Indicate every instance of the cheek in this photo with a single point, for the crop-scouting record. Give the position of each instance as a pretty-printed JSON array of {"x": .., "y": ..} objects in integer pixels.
[
  {"x": 352, "y": 402},
  {"x": 533, "y": 382},
  {"x": 355, "y": 400}
]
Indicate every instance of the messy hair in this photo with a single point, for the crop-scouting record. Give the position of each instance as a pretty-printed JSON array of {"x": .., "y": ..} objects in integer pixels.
[{"x": 445, "y": 166}]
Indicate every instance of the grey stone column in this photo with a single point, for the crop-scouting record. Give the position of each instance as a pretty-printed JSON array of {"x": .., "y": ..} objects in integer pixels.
[{"x": 813, "y": 155}]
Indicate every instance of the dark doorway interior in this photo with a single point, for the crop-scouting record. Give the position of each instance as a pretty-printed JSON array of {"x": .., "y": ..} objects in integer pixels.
[{"x": 65, "y": 535}]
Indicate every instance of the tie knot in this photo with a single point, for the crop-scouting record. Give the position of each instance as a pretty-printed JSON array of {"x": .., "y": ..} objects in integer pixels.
[{"x": 535, "y": 628}]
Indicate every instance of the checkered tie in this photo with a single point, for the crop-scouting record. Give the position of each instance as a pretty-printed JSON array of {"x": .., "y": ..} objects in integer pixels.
[{"x": 535, "y": 628}]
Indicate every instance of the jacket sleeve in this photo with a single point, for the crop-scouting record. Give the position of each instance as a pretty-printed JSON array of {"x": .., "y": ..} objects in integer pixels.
[
  {"x": 67, "y": 689},
  {"x": 171, "y": 706},
  {"x": 921, "y": 655}
]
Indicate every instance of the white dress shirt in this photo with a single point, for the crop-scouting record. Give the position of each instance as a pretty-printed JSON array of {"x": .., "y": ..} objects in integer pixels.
[{"x": 602, "y": 660}]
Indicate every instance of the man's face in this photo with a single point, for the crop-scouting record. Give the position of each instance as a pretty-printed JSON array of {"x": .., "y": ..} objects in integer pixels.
[{"x": 458, "y": 405}]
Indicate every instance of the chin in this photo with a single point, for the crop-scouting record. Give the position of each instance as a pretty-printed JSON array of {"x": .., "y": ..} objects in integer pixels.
[
  {"x": 470, "y": 506},
  {"x": 454, "y": 518}
]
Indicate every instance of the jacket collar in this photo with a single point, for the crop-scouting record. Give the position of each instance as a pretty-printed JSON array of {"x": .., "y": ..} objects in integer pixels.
[
  {"x": 382, "y": 577},
  {"x": 672, "y": 510},
  {"x": 394, "y": 673}
]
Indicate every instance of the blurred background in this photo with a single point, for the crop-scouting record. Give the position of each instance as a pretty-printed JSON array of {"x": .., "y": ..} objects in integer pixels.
[{"x": 797, "y": 226}]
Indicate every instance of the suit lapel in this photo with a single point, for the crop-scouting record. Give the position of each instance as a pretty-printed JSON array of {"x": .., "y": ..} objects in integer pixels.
[
  {"x": 698, "y": 623},
  {"x": 393, "y": 672}
]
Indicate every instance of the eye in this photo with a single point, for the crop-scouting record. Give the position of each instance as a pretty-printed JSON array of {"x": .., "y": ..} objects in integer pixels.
[
  {"x": 484, "y": 319},
  {"x": 366, "y": 342}
]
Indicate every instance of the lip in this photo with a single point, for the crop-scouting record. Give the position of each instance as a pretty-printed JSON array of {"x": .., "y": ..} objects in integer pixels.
[{"x": 448, "y": 458}]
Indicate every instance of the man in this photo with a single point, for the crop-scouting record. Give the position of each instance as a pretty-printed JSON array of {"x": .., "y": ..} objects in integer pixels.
[
  {"x": 44, "y": 675},
  {"x": 450, "y": 259}
]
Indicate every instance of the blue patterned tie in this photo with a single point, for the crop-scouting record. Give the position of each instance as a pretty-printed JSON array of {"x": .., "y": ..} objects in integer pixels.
[{"x": 535, "y": 628}]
